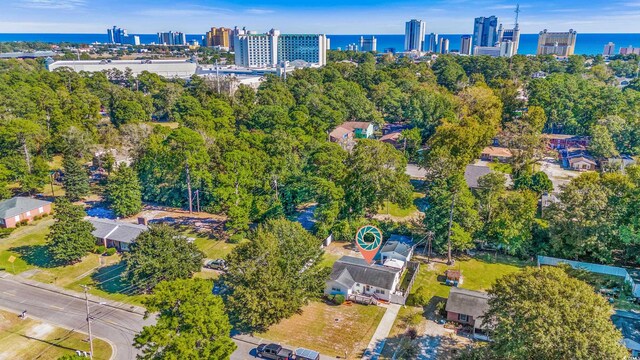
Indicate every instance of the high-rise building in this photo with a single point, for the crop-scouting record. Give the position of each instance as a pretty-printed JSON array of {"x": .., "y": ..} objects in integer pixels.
[
  {"x": 465, "y": 45},
  {"x": 609, "y": 49},
  {"x": 272, "y": 48},
  {"x": 219, "y": 37},
  {"x": 629, "y": 50},
  {"x": 368, "y": 44},
  {"x": 510, "y": 36},
  {"x": 432, "y": 45},
  {"x": 134, "y": 40},
  {"x": 414, "y": 35},
  {"x": 444, "y": 46},
  {"x": 116, "y": 35},
  {"x": 485, "y": 31},
  {"x": 172, "y": 38},
  {"x": 557, "y": 43},
  {"x": 351, "y": 47}
]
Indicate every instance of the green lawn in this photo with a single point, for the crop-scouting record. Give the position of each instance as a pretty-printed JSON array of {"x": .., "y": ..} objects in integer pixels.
[
  {"x": 31, "y": 339},
  {"x": 27, "y": 245},
  {"x": 478, "y": 274},
  {"x": 501, "y": 167},
  {"x": 395, "y": 210},
  {"x": 329, "y": 258},
  {"x": 212, "y": 249},
  {"x": 331, "y": 330}
]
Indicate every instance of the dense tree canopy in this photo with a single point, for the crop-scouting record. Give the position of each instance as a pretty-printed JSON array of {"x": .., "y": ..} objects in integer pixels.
[
  {"x": 70, "y": 237},
  {"x": 545, "y": 314},
  {"x": 191, "y": 323},
  {"x": 160, "y": 254},
  {"x": 271, "y": 276}
]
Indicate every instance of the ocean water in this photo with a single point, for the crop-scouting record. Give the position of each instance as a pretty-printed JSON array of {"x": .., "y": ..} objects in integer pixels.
[{"x": 587, "y": 44}]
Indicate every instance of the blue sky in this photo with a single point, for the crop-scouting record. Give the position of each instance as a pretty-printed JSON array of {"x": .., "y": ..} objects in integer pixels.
[{"x": 319, "y": 16}]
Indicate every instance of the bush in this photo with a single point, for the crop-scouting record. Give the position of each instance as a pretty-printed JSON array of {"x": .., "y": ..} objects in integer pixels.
[
  {"x": 100, "y": 249},
  {"x": 23, "y": 222},
  {"x": 111, "y": 251},
  {"x": 441, "y": 308},
  {"x": 418, "y": 298},
  {"x": 236, "y": 238},
  {"x": 44, "y": 215},
  {"x": 412, "y": 333},
  {"x": 338, "y": 299},
  {"x": 37, "y": 217},
  {"x": 5, "y": 232}
]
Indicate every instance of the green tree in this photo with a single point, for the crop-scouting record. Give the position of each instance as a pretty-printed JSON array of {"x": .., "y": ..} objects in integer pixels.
[
  {"x": 76, "y": 178},
  {"x": 273, "y": 275},
  {"x": 159, "y": 254},
  {"x": 546, "y": 314},
  {"x": 602, "y": 144},
  {"x": 191, "y": 323},
  {"x": 123, "y": 191},
  {"x": 128, "y": 112},
  {"x": 376, "y": 173},
  {"x": 70, "y": 237}
]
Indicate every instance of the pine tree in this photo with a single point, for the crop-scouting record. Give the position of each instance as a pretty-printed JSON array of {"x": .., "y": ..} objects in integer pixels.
[
  {"x": 70, "y": 237},
  {"x": 123, "y": 192},
  {"x": 76, "y": 179}
]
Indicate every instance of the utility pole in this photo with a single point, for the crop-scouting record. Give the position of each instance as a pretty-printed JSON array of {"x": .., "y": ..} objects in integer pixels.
[
  {"x": 275, "y": 184},
  {"x": 86, "y": 298},
  {"x": 453, "y": 203},
  {"x": 189, "y": 190},
  {"x": 198, "y": 200}
]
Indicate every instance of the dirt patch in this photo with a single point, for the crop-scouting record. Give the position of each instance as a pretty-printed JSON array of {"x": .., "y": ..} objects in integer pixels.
[{"x": 40, "y": 331}]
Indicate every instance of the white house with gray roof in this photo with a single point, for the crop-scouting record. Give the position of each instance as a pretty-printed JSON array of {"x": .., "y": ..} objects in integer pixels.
[
  {"x": 399, "y": 248},
  {"x": 354, "y": 276},
  {"x": 114, "y": 233}
]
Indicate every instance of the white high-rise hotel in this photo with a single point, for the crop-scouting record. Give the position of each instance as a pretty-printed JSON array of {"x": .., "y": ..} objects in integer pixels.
[
  {"x": 414, "y": 35},
  {"x": 272, "y": 48}
]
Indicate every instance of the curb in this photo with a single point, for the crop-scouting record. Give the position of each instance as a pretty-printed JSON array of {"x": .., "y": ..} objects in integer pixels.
[{"x": 92, "y": 298}]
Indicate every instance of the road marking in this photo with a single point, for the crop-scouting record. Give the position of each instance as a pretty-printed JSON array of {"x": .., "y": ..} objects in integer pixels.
[
  {"x": 8, "y": 293},
  {"x": 56, "y": 307}
]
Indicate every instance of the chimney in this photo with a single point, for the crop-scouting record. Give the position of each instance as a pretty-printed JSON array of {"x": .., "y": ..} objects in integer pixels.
[{"x": 142, "y": 221}]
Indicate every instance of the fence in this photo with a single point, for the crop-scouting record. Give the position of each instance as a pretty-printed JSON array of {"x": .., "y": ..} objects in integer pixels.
[
  {"x": 595, "y": 268},
  {"x": 401, "y": 299}
]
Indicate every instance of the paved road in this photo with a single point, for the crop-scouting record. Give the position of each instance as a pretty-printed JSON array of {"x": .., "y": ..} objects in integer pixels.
[{"x": 115, "y": 325}]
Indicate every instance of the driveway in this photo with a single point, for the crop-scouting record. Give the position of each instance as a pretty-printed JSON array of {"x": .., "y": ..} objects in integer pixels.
[{"x": 558, "y": 175}]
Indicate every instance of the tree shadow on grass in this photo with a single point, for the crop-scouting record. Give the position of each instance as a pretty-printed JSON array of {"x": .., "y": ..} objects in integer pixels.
[
  {"x": 111, "y": 279},
  {"x": 37, "y": 255}
]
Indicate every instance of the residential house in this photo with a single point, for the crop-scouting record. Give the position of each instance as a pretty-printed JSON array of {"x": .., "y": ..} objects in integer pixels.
[
  {"x": 396, "y": 252},
  {"x": 354, "y": 276},
  {"x": 393, "y": 139},
  {"x": 474, "y": 172},
  {"x": 564, "y": 141},
  {"x": 581, "y": 162},
  {"x": 495, "y": 153},
  {"x": 467, "y": 307},
  {"x": 17, "y": 209},
  {"x": 348, "y": 132},
  {"x": 116, "y": 234},
  {"x": 617, "y": 163}
]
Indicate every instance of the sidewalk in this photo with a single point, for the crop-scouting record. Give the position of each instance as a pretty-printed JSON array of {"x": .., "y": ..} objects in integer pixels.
[
  {"x": 382, "y": 332},
  {"x": 92, "y": 298}
]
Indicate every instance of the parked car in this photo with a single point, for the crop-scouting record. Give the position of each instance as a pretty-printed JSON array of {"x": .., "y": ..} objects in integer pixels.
[
  {"x": 274, "y": 352},
  {"x": 217, "y": 264},
  {"x": 306, "y": 354}
]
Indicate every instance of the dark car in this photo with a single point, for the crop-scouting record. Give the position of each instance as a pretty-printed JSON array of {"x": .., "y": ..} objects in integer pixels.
[
  {"x": 217, "y": 264},
  {"x": 274, "y": 352}
]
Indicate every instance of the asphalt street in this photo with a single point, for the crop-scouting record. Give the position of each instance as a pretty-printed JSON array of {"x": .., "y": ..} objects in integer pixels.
[{"x": 116, "y": 325}]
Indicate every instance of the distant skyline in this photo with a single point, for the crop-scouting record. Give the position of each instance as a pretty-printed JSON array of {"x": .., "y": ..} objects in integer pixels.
[{"x": 329, "y": 16}]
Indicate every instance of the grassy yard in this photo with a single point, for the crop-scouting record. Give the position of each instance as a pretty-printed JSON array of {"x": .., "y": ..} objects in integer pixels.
[
  {"x": 501, "y": 167},
  {"x": 331, "y": 330},
  {"x": 31, "y": 339},
  {"x": 395, "y": 210},
  {"x": 27, "y": 245}
]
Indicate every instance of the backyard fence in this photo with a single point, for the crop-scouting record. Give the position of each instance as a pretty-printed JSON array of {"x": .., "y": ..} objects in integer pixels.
[
  {"x": 396, "y": 298},
  {"x": 633, "y": 280}
]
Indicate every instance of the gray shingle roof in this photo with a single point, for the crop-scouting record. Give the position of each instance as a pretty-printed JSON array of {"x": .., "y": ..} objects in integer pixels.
[
  {"x": 361, "y": 272},
  {"x": 19, "y": 205},
  {"x": 116, "y": 230},
  {"x": 474, "y": 172},
  {"x": 468, "y": 302},
  {"x": 397, "y": 247}
]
